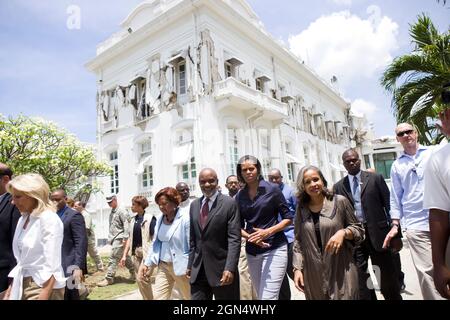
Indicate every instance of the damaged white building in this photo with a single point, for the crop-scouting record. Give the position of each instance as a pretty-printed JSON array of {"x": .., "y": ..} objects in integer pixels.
[{"x": 188, "y": 84}]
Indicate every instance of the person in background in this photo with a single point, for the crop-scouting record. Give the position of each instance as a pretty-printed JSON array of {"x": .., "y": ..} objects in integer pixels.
[
  {"x": 288, "y": 193},
  {"x": 142, "y": 230},
  {"x": 70, "y": 202},
  {"x": 170, "y": 249},
  {"x": 260, "y": 204},
  {"x": 92, "y": 248},
  {"x": 117, "y": 238},
  {"x": 326, "y": 231},
  {"x": 395, "y": 256},
  {"x": 37, "y": 243},
  {"x": 74, "y": 247},
  {"x": 407, "y": 178},
  {"x": 247, "y": 291},
  {"x": 369, "y": 195},
  {"x": 214, "y": 243},
  {"x": 9, "y": 216},
  {"x": 437, "y": 200}
]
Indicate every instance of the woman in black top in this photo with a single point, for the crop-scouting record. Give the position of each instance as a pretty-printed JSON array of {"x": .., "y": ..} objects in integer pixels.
[{"x": 260, "y": 202}]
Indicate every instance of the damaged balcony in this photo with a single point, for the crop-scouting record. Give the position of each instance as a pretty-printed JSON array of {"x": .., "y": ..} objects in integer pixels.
[{"x": 231, "y": 93}]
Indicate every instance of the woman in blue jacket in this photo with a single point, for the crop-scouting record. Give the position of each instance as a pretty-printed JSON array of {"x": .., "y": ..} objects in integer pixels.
[{"x": 170, "y": 249}]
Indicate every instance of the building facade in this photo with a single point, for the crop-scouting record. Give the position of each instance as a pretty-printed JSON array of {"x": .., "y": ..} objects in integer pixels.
[{"x": 189, "y": 84}]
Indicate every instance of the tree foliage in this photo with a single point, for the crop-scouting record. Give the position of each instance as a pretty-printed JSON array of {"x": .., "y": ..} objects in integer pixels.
[
  {"x": 35, "y": 145},
  {"x": 416, "y": 80}
]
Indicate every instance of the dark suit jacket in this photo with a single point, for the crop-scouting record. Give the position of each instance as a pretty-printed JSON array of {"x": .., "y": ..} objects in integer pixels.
[
  {"x": 218, "y": 245},
  {"x": 9, "y": 215},
  {"x": 375, "y": 204},
  {"x": 74, "y": 247}
]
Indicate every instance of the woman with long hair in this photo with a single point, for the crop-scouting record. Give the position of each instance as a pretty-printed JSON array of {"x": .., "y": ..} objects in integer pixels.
[
  {"x": 37, "y": 242},
  {"x": 326, "y": 231},
  {"x": 260, "y": 203}
]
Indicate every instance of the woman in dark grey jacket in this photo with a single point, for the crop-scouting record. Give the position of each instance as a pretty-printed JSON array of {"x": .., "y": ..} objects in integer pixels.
[{"x": 326, "y": 231}]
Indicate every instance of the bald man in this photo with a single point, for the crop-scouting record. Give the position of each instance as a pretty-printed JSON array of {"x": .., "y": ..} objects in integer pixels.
[{"x": 215, "y": 242}]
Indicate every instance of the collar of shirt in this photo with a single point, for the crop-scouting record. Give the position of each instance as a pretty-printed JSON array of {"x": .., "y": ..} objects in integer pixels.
[
  {"x": 419, "y": 151},
  {"x": 261, "y": 189},
  {"x": 61, "y": 212},
  {"x": 185, "y": 203},
  {"x": 350, "y": 178},
  {"x": 212, "y": 199},
  {"x": 2, "y": 196}
]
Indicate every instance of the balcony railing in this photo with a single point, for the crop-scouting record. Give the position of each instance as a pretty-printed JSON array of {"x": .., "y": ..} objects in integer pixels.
[{"x": 231, "y": 93}]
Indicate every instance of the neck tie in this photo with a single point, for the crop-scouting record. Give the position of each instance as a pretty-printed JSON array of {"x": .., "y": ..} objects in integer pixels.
[
  {"x": 204, "y": 213},
  {"x": 355, "y": 186}
]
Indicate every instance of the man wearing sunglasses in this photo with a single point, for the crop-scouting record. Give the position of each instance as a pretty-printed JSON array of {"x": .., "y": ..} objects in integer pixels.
[{"x": 407, "y": 178}]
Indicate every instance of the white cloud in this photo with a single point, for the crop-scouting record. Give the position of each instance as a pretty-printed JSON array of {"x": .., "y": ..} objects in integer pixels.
[
  {"x": 342, "y": 2},
  {"x": 361, "y": 107},
  {"x": 347, "y": 46}
]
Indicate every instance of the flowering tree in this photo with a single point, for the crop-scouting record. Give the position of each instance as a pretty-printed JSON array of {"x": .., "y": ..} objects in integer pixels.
[{"x": 35, "y": 145}]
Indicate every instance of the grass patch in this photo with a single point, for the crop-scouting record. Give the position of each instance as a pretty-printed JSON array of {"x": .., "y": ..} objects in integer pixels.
[{"x": 122, "y": 284}]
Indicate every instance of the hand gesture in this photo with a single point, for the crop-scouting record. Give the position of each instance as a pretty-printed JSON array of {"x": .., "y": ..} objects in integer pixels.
[{"x": 335, "y": 243}]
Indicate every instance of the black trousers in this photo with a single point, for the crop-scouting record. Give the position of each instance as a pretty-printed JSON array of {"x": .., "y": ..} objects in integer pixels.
[
  {"x": 71, "y": 294},
  {"x": 384, "y": 268},
  {"x": 285, "y": 290},
  {"x": 4, "y": 281},
  {"x": 200, "y": 289}
]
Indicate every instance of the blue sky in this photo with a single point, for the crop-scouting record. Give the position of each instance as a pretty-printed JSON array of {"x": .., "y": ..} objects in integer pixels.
[{"x": 42, "y": 61}]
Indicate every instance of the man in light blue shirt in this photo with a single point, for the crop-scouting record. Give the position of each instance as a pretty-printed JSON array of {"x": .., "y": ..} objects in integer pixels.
[
  {"x": 407, "y": 176},
  {"x": 288, "y": 193}
]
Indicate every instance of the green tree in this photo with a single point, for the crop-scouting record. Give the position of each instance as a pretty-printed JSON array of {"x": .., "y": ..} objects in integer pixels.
[
  {"x": 39, "y": 146},
  {"x": 416, "y": 80}
]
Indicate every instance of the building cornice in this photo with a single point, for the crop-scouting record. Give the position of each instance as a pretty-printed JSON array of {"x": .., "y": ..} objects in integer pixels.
[{"x": 230, "y": 16}]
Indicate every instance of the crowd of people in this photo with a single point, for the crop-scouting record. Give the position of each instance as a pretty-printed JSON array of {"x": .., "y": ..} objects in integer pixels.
[{"x": 247, "y": 244}]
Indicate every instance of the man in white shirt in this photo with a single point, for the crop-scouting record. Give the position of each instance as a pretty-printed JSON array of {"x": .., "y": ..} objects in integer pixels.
[
  {"x": 407, "y": 179},
  {"x": 437, "y": 199}
]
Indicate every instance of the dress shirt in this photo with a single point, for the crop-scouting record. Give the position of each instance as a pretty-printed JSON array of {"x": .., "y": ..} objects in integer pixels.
[
  {"x": 212, "y": 199},
  {"x": 262, "y": 212},
  {"x": 407, "y": 179},
  {"x": 357, "y": 196},
  {"x": 291, "y": 200}
]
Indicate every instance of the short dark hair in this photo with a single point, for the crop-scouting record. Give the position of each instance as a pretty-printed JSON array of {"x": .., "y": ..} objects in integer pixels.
[
  {"x": 352, "y": 150},
  {"x": 170, "y": 193},
  {"x": 61, "y": 190},
  {"x": 231, "y": 175},
  {"x": 140, "y": 201},
  {"x": 252, "y": 159},
  {"x": 302, "y": 196},
  {"x": 5, "y": 170}
]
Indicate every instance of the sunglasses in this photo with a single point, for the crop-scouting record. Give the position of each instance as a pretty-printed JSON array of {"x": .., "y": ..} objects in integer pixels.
[{"x": 404, "y": 133}]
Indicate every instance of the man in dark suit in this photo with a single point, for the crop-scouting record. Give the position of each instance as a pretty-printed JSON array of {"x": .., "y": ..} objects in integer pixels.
[
  {"x": 9, "y": 215},
  {"x": 215, "y": 243},
  {"x": 74, "y": 247},
  {"x": 369, "y": 195}
]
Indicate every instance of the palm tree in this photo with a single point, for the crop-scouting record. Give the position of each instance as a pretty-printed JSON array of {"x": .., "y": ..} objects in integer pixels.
[{"x": 416, "y": 80}]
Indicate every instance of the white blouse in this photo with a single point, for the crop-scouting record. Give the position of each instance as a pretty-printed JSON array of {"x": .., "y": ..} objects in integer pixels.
[{"x": 37, "y": 250}]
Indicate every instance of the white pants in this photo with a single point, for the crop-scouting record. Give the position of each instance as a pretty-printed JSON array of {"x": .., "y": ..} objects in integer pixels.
[
  {"x": 420, "y": 247},
  {"x": 267, "y": 271}
]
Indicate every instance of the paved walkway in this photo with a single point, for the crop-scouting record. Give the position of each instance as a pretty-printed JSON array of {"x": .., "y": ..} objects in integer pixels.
[{"x": 412, "y": 291}]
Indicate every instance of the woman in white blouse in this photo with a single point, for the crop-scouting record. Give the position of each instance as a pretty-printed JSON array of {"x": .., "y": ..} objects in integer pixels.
[{"x": 37, "y": 243}]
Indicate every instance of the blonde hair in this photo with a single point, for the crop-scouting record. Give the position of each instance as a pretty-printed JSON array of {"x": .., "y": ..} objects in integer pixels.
[{"x": 34, "y": 186}]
